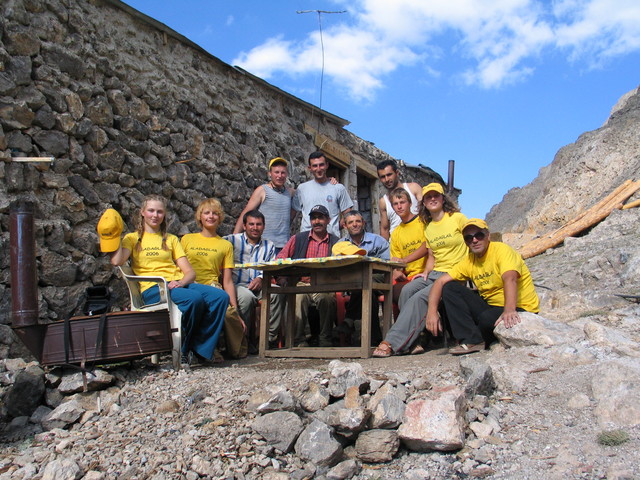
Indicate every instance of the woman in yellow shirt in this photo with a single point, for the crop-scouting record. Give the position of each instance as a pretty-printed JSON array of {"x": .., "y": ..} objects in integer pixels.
[
  {"x": 444, "y": 247},
  {"x": 153, "y": 251},
  {"x": 213, "y": 263}
]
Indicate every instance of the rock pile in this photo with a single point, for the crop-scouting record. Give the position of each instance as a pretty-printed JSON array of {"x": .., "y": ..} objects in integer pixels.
[{"x": 531, "y": 407}]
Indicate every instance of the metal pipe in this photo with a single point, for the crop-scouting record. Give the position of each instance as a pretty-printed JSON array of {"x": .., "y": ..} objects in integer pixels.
[
  {"x": 24, "y": 279},
  {"x": 452, "y": 164}
]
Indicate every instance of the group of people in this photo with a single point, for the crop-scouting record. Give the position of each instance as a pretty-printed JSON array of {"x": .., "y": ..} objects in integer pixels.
[{"x": 420, "y": 227}]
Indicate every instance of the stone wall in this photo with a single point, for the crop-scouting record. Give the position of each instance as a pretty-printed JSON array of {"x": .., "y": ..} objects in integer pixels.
[{"x": 127, "y": 107}]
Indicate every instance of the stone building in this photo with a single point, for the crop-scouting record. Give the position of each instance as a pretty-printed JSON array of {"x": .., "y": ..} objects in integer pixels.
[{"x": 127, "y": 107}]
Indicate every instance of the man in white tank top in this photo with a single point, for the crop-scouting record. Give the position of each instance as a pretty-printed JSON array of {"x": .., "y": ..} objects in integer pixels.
[{"x": 388, "y": 175}]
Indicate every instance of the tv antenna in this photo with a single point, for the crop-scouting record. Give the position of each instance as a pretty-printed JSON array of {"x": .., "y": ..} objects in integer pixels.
[{"x": 320, "y": 12}]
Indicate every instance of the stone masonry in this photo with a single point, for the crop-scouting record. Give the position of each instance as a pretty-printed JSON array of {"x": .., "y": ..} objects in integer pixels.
[{"x": 127, "y": 107}]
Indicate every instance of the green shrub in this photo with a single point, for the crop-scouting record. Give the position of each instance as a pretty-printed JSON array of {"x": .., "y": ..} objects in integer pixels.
[{"x": 612, "y": 438}]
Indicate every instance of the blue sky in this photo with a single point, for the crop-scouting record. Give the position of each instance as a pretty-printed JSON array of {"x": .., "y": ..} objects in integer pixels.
[{"x": 497, "y": 85}]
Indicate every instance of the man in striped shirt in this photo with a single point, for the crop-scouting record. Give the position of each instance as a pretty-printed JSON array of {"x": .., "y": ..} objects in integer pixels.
[{"x": 250, "y": 247}]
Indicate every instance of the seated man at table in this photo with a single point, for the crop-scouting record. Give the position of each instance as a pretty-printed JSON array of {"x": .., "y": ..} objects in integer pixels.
[
  {"x": 373, "y": 245},
  {"x": 316, "y": 242},
  {"x": 504, "y": 284},
  {"x": 251, "y": 247}
]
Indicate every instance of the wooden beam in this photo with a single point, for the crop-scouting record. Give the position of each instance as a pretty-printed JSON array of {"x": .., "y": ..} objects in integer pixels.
[{"x": 586, "y": 219}]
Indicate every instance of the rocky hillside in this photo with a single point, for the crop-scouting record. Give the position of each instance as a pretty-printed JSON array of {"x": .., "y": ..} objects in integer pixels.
[{"x": 580, "y": 175}]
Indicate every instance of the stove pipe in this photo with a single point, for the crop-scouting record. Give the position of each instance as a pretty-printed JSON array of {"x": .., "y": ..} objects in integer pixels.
[{"x": 24, "y": 279}]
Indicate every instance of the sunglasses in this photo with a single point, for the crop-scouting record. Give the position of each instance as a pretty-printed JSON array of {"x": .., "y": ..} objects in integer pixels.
[{"x": 478, "y": 236}]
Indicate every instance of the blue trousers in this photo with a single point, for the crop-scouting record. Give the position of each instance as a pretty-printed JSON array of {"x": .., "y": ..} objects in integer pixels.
[{"x": 203, "y": 310}]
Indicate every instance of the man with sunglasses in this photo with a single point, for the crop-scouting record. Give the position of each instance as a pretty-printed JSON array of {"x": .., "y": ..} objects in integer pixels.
[{"x": 504, "y": 285}]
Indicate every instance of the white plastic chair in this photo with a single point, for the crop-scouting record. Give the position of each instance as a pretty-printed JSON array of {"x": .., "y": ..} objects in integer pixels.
[{"x": 165, "y": 303}]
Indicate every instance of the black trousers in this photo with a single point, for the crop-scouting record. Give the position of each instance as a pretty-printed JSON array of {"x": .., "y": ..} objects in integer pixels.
[{"x": 471, "y": 318}]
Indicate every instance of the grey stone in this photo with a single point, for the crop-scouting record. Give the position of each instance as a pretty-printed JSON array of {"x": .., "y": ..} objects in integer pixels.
[
  {"x": 377, "y": 446},
  {"x": 387, "y": 407},
  {"x": 24, "y": 396},
  {"x": 57, "y": 270},
  {"x": 55, "y": 99},
  {"x": 96, "y": 380},
  {"x": 21, "y": 41},
  {"x": 74, "y": 105},
  {"x": 63, "y": 415},
  {"x": 65, "y": 60},
  {"x": 15, "y": 115},
  {"x": 283, "y": 400},
  {"x": 85, "y": 188},
  {"x": 39, "y": 413},
  {"x": 314, "y": 397},
  {"x": 616, "y": 387},
  {"x": 478, "y": 376},
  {"x": 134, "y": 128},
  {"x": 349, "y": 421},
  {"x": 343, "y": 470},
  {"x": 279, "y": 429},
  {"x": 19, "y": 69},
  {"x": 611, "y": 338},
  {"x": 53, "y": 142},
  {"x": 317, "y": 444},
  {"x": 53, "y": 397},
  {"x": 99, "y": 111},
  {"x": 536, "y": 330},
  {"x": 345, "y": 375},
  {"x": 62, "y": 469},
  {"x": 19, "y": 141}
]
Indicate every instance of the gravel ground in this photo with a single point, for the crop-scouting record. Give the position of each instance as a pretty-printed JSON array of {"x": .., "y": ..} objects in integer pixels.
[{"x": 194, "y": 424}]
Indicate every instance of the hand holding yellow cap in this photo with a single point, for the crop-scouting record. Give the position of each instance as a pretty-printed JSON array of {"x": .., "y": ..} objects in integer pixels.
[{"x": 110, "y": 227}]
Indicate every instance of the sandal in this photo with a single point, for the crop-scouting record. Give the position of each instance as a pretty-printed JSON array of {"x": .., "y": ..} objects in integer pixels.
[
  {"x": 417, "y": 350},
  {"x": 383, "y": 350}
]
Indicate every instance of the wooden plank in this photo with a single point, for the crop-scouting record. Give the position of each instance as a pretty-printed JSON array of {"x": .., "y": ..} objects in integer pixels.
[
  {"x": 592, "y": 216},
  {"x": 317, "y": 352}
]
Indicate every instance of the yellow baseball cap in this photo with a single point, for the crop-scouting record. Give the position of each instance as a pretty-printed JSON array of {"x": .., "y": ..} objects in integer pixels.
[
  {"x": 278, "y": 159},
  {"x": 476, "y": 222},
  {"x": 433, "y": 187},
  {"x": 347, "y": 248},
  {"x": 110, "y": 227}
]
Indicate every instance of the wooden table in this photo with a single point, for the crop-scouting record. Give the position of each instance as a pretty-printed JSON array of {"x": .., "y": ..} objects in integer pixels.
[{"x": 330, "y": 274}]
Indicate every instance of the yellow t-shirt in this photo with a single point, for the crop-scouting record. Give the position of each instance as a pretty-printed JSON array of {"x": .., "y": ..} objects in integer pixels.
[
  {"x": 405, "y": 239},
  {"x": 208, "y": 256},
  {"x": 151, "y": 259},
  {"x": 486, "y": 273},
  {"x": 444, "y": 238}
]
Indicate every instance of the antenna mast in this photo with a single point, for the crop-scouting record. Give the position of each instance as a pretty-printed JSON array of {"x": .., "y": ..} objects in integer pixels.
[{"x": 320, "y": 12}]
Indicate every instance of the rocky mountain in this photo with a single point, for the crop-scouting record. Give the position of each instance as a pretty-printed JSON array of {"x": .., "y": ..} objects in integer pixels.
[{"x": 580, "y": 175}]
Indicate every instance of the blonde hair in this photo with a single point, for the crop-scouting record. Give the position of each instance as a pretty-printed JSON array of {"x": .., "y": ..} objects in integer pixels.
[
  {"x": 140, "y": 221},
  {"x": 211, "y": 203}
]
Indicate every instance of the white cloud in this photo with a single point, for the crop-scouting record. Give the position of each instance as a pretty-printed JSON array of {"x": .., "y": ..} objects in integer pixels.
[{"x": 500, "y": 40}]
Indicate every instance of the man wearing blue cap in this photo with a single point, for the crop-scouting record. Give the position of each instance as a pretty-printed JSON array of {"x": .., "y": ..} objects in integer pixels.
[{"x": 314, "y": 243}]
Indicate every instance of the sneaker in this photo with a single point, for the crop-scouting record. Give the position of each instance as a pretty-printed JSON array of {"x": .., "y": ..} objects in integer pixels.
[
  {"x": 465, "y": 348},
  {"x": 186, "y": 359}
]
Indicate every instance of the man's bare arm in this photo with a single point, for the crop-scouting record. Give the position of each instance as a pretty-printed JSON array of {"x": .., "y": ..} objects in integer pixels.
[
  {"x": 510, "y": 316},
  {"x": 256, "y": 199},
  {"x": 385, "y": 226},
  {"x": 416, "y": 190},
  {"x": 433, "y": 318}
]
